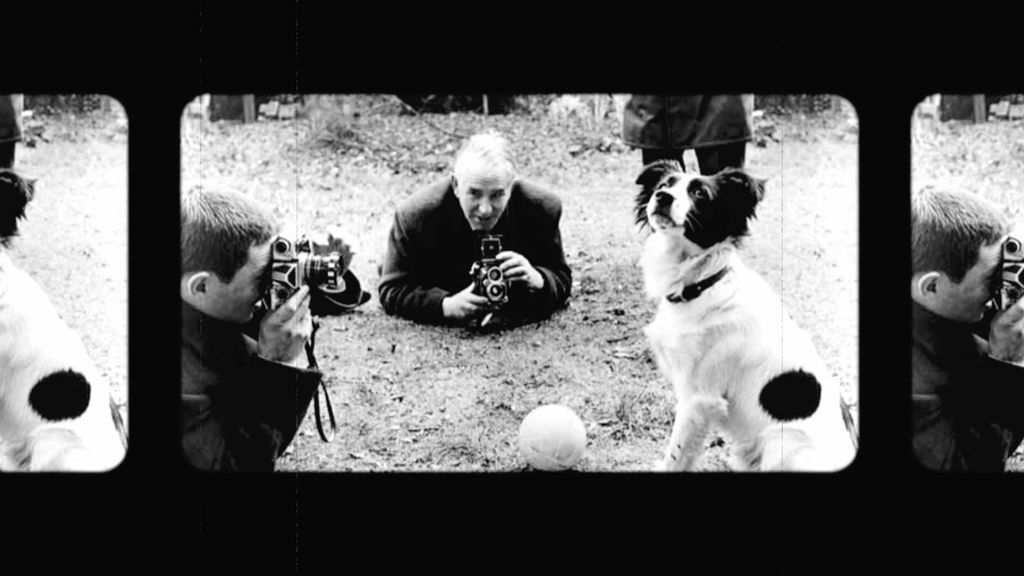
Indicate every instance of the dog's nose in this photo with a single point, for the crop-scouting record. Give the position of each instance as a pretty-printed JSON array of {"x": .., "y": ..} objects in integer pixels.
[{"x": 662, "y": 198}]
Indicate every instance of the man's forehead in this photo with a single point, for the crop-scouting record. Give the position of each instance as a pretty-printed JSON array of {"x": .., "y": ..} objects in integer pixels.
[
  {"x": 475, "y": 172},
  {"x": 485, "y": 180}
]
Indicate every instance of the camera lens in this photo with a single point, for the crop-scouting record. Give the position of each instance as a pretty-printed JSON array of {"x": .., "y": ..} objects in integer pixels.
[
  {"x": 281, "y": 246},
  {"x": 323, "y": 270},
  {"x": 495, "y": 291},
  {"x": 494, "y": 274},
  {"x": 1013, "y": 246}
]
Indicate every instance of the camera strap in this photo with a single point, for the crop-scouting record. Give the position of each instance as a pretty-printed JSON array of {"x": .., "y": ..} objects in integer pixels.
[{"x": 325, "y": 436}]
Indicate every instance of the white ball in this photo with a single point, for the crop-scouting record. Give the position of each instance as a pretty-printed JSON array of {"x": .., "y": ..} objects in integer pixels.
[{"x": 552, "y": 437}]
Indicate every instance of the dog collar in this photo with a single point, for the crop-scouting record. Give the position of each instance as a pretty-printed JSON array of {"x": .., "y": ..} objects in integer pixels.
[{"x": 694, "y": 290}]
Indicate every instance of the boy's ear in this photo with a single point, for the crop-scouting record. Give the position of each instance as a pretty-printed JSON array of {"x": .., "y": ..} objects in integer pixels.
[
  {"x": 195, "y": 286},
  {"x": 925, "y": 286}
]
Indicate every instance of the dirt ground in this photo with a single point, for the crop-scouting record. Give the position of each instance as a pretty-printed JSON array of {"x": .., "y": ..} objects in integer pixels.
[
  {"x": 422, "y": 398},
  {"x": 987, "y": 158},
  {"x": 74, "y": 240}
]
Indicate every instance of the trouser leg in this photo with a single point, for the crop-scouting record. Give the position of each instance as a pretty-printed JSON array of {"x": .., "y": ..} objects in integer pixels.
[
  {"x": 713, "y": 159},
  {"x": 649, "y": 155}
]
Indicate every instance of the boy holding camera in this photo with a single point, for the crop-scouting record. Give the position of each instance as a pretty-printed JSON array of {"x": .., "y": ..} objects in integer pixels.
[
  {"x": 967, "y": 356},
  {"x": 242, "y": 398},
  {"x": 477, "y": 244}
]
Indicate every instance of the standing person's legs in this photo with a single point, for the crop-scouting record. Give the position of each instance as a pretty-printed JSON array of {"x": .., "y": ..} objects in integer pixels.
[
  {"x": 10, "y": 127},
  {"x": 649, "y": 155},
  {"x": 712, "y": 159},
  {"x": 7, "y": 154}
]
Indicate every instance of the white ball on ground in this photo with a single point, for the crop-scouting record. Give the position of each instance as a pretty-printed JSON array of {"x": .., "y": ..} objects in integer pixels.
[{"x": 552, "y": 438}]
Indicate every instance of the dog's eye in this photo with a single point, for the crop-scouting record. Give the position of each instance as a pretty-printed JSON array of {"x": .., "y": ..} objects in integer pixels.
[{"x": 701, "y": 193}]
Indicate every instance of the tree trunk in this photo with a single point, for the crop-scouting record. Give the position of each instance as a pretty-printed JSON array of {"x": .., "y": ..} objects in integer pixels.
[
  {"x": 979, "y": 108},
  {"x": 249, "y": 108}
]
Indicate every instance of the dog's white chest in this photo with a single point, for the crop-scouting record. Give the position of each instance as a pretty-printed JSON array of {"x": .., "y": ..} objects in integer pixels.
[
  {"x": 686, "y": 343},
  {"x": 54, "y": 405},
  {"x": 28, "y": 322}
]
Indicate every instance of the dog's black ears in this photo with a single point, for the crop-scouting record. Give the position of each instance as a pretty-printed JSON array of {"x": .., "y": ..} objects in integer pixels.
[
  {"x": 12, "y": 183},
  {"x": 762, "y": 185},
  {"x": 759, "y": 185},
  {"x": 741, "y": 179},
  {"x": 653, "y": 172},
  {"x": 15, "y": 194},
  {"x": 648, "y": 179}
]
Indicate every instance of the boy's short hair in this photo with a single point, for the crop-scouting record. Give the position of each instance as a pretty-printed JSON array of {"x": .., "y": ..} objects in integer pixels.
[
  {"x": 487, "y": 150},
  {"x": 948, "y": 228},
  {"x": 218, "y": 228}
]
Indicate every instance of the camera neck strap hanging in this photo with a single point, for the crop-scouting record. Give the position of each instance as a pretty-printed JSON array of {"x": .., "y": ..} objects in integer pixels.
[{"x": 322, "y": 387}]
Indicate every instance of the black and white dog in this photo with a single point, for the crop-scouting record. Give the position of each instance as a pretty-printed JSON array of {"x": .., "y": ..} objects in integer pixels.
[
  {"x": 736, "y": 359},
  {"x": 56, "y": 413}
]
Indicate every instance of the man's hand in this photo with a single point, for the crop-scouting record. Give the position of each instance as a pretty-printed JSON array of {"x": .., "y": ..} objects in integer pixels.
[
  {"x": 464, "y": 305},
  {"x": 518, "y": 270},
  {"x": 1006, "y": 335},
  {"x": 283, "y": 332}
]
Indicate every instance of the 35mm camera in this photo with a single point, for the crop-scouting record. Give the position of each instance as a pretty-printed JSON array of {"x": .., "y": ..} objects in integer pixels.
[
  {"x": 294, "y": 264},
  {"x": 1012, "y": 287}
]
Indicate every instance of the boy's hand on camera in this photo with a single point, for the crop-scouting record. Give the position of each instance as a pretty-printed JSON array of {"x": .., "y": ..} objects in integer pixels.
[
  {"x": 1006, "y": 335},
  {"x": 283, "y": 332},
  {"x": 464, "y": 305},
  {"x": 518, "y": 270}
]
